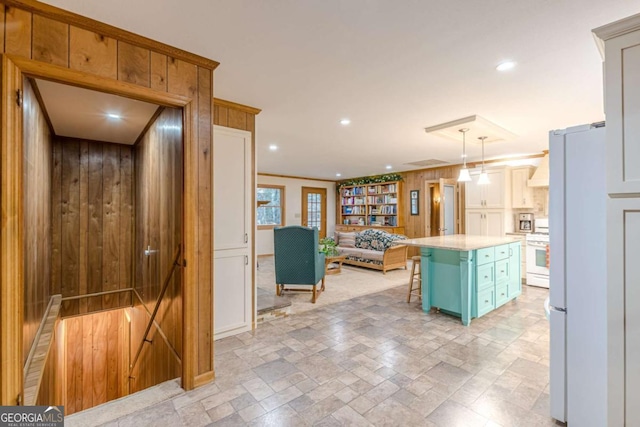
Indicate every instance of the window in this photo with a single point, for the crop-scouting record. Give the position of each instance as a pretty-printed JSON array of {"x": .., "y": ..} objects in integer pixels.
[{"x": 270, "y": 206}]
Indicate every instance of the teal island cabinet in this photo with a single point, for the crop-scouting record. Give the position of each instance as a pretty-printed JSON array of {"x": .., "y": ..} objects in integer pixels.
[{"x": 468, "y": 276}]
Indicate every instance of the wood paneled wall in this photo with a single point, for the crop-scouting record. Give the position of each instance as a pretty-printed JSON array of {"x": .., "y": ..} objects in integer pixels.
[
  {"x": 158, "y": 182},
  {"x": 92, "y": 216},
  {"x": 414, "y": 225},
  {"x": 94, "y": 359},
  {"x": 37, "y": 218},
  {"x": 51, "y": 35},
  {"x": 158, "y": 361},
  {"x": 414, "y": 180}
]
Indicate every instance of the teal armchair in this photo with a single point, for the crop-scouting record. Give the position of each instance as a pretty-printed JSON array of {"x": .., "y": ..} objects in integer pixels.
[{"x": 297, "y": 259}]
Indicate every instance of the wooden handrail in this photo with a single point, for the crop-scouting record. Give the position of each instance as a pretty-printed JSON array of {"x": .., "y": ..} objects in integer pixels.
[{"x": 165, "y": 285}]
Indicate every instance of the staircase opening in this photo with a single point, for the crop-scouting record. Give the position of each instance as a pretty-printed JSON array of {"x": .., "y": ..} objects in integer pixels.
[{"x": 103, "y": 211}]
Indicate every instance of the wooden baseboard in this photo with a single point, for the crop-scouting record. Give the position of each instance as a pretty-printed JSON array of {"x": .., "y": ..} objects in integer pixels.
[{"x": 203, "y": 379}]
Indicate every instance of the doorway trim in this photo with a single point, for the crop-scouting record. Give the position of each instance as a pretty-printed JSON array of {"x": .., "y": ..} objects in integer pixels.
[{"x": 12, "y": 203}]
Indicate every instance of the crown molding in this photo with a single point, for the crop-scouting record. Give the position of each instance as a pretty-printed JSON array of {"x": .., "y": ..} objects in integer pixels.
[{"x": 618, "y": 28}]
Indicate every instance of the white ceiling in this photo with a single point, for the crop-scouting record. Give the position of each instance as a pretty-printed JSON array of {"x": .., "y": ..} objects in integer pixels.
[
  {"x": 85, "y": 114},
  {"x": 392, "y": 67}
]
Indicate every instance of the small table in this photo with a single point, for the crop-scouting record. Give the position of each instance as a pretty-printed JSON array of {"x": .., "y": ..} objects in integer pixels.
[{"x": 328, "y": 260}]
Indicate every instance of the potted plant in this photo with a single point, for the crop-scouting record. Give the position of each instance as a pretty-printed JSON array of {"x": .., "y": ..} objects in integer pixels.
[{"x": 328, "y": 246}]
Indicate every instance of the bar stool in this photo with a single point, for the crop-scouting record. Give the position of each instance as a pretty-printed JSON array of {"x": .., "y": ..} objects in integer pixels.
[{"x": 415, "y": 262}]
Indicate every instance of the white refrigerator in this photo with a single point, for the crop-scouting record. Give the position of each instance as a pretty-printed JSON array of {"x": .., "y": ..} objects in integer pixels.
[{"x": 578, "y": 274}]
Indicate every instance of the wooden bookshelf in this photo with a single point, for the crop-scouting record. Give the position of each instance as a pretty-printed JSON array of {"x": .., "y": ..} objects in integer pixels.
[{"x": 371, "y": 205}]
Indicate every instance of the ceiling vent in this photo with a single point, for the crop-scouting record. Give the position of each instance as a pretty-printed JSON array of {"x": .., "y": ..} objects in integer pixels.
[
  {"x": 477, "y": 126},
  {"x": 427, "y": 163}
]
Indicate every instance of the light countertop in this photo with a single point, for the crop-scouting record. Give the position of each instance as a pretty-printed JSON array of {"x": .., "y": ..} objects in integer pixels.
[{"x": 458, "y": 242}]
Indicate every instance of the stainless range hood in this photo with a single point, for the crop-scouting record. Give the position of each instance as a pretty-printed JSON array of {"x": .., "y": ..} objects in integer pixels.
[{"x": 540, "y": 177}]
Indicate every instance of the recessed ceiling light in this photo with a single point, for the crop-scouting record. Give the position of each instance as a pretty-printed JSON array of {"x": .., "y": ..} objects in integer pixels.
[
  {"x": 388, "y": 166},
  {"x": 345, "y": 122},
  {"x": 338, "y": 174},
  {"x": 506, "y": 65},
  {"x": 273, "y": 147},
  {"x": 114, "y": 116}
]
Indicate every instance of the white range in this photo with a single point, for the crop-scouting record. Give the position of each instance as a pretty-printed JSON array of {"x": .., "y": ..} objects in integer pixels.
[{"x": 537, "y": 250}]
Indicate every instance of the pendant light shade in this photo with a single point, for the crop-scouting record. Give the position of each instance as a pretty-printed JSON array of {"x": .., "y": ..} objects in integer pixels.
[
  {"x": 483, "y": 179},
  {"x": 464, "y": 175},
  {"x": 464, "y": 172}
]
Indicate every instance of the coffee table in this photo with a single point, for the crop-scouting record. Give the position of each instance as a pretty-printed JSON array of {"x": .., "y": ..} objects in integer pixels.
[{"x": 337, "y": 259}]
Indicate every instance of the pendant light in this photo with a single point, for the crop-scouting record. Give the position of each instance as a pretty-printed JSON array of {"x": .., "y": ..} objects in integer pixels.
[
  {"x": 464, "y": 172},
  {"x": 484, "y": 177}
]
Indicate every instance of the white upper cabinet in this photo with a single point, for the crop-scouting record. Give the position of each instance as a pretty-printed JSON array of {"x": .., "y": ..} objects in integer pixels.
[
  {"x": 622, "y": 104},
  {"x": 521, "y": 193},
  {"x": 488, "y": 196}
]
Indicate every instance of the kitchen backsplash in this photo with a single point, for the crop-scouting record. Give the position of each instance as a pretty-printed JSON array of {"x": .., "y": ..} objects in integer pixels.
[{"x": 540, "y": 203}]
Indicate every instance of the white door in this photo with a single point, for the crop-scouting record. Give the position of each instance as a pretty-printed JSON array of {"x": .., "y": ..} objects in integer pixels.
[
  {"x": 233, "y": 237},
  {"x": 475, "y": 223}
]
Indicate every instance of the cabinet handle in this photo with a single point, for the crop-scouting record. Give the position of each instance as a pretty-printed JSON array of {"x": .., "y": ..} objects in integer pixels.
[
  {"x": 524, "y": 201},
  {"x": 486, "y": 256},
  {"x": 486, "y": 301},
  {"x": 502, "y": 294},
  {"x": 501, "y": 271},
  {"x": 486, "y": 277}
]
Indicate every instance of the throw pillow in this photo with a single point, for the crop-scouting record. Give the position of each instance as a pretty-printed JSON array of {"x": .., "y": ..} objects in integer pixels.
[
  {"x": 378, "y": 240},
  {"x": 347, "y": 240}
]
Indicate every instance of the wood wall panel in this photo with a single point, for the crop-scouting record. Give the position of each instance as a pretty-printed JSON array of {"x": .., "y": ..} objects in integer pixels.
[
  {"x": 17, "y": 32},
  {"x": 158, "y": 71},
  {"x": 205, "y": 238},
  {"x": 156, "y": 363},
  {"x": 94, "y": 206},
  {"x": 111, "y": 223},
  {"x": 158, "y": 185},
  {"x": 2, "y": 9},
  {"x": 237, "y": 119},
  {"x": 94, "y": 234},
  {"x": 133, "y": 64},
  {"x": 37, "y": 218},
  {"x": 50, "y": 41},
  {"x": 70, "y": 219},
  {"x": 182, "y": 78},
  {"x": 93, "y": 364},
  {"x": 93, "y": 53},
  {"x": 126, "y": 228}
]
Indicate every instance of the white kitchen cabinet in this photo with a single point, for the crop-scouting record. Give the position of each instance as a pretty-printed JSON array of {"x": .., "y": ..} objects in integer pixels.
[
  {"x": 621, "y": 42},
  {"x": 485, "y": 222},
  {"x": 488, "y": 207},
  {"x": 521, "y": 193},
  {"x": 488, "y": 196},
  {"x": 622, "y": 104},
  {"x": 233, "y": 235}
]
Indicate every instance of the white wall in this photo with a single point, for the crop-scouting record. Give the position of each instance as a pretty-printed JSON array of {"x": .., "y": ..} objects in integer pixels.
[{"x": 293, "y": 207}]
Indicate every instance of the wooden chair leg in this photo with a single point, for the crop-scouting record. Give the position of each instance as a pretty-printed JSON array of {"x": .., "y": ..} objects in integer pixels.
[
  {"x": 277, "y": 290},
  {"x": 413, "y": 269},
  {"x": 313, "y": 295},
  {"x": 322, "y": 287}
]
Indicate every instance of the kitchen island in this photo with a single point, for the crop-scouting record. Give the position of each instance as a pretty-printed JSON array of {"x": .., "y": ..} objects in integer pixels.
[{"x": 468, "y": 276}]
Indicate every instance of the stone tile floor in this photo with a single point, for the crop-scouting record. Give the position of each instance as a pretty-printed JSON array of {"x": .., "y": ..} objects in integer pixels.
[{"x": 374, "y": 360}]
